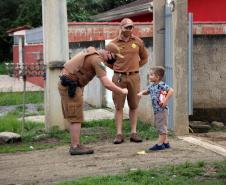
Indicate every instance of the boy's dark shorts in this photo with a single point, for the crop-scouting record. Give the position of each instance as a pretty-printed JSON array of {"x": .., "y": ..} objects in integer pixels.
[
  {"x": 161, "y": 122},
  {"x": 72, "y": 108},
  {"x": 132, "y": 83}
]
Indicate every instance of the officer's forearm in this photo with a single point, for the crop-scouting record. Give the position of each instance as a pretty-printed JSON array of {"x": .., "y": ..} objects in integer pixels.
[
  {"x": 142, "y": 62},
  {"x": 143, "y": 57},
  {"x": 110, "y": 85}
]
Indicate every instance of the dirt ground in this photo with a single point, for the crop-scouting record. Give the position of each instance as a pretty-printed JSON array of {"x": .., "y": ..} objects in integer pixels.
[{"x": 56, "y": 165}]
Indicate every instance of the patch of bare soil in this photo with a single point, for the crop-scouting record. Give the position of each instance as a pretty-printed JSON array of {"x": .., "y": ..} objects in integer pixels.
[
  {"x": 56, "y": 165},
  {"x": 49, "y": 141}
]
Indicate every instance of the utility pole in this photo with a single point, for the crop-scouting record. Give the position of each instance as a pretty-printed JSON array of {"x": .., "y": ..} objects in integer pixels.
[
  {"x": 180, "y": 66},
  {"x": 158, "y": 32},
  {"x": 179, "y": 30},
  {"x": 56, "y": 51}
]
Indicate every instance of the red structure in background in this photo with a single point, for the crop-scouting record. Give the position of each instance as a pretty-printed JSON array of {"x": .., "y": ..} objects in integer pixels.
[
  {"x": 139, "y": 18},
  {"x": 32, "y": 54},
  {"x": 78, "y": 32},
  {"x": 208, "y": 10},
  {"x": 204, "y": 11}
]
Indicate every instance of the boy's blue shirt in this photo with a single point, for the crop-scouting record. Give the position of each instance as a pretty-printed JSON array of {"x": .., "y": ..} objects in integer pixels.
[{"x": 154, "y": 91}]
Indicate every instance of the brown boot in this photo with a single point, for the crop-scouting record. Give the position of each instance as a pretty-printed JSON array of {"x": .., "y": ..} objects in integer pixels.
[
  {"x": 118, "y": 139},
  {"x": 135, "y": 138},
  {"x": 80, "y": 150}
]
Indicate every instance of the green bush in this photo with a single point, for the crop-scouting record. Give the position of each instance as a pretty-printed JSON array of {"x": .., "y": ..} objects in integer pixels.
[{"x": 3, "y": 70}]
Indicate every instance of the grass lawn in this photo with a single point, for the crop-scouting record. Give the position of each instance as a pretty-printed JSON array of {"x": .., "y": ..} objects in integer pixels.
[
  {"x": 3, "y": 70},
  {"x": 16, "y": 98},
  {"x": 199, "y": 173},
  {"x": 34, "y": 133}
]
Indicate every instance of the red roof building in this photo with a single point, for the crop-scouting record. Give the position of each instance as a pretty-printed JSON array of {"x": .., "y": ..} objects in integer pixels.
[{"x": 141, "y": 11}]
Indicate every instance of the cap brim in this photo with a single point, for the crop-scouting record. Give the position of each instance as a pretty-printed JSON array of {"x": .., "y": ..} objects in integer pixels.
[{"x": 128, "y": 24}]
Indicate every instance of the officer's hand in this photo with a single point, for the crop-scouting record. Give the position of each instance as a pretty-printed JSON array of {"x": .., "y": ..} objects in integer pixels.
[
  {"x": 139, "y": 94},
  {"x": 124, "y": 91}
]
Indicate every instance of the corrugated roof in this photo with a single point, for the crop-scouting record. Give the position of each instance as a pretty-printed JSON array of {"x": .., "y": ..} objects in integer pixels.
[
  {"x": 134, "y": 8},
  {"x": 24, "y": 27},
  {"x": 132, "y": 4}
]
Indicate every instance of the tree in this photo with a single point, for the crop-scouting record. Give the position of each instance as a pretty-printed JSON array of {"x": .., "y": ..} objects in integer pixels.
[
  {"x": 83, "y": 10},
  {"x": 8, "y": 12},
  {"x": 77, "y": 10},
  {"x": 14, "y": 13},
  {"x": 29, "y": 13}
]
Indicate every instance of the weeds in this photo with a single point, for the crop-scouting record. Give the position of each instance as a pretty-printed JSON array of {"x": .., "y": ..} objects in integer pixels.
[{"x": 183, "y": 174}]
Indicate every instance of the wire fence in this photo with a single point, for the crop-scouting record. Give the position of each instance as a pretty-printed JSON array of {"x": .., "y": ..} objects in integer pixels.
[{"x": 19, "y": 94}]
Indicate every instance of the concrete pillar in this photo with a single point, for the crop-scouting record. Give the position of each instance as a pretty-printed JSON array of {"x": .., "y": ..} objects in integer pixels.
[
  {"x": 180, "y": 67},
  {"x": 158, "y": 32},
  {"x": 21, "y": 52},
  {"x": 21, "y": 37},
  {"x": 56, "y": 51},
  {"x": 158, "y": 38}
]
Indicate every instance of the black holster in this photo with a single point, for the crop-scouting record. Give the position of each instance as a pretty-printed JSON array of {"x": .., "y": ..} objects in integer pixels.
[{"x": 71, "y": 84}]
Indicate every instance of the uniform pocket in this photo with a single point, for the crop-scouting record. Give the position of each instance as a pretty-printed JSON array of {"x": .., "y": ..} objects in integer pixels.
[
  {"x": 115, "y": 78},
  {"x": 74, "y": 109}
]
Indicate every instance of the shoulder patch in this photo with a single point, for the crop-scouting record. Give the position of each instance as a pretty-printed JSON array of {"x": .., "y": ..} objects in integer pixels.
[{"x": 102, "y": 65}]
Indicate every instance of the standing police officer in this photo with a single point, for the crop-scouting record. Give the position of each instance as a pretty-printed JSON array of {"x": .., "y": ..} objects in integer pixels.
[
  {"x": 126, "y": 75},
  {"x": 76, "y": 74}
]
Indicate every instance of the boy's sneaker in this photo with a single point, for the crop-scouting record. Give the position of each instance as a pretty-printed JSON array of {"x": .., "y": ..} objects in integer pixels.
[
  {"x": 80, "y": 150},
  {"x": 155, "y": 148},
  {"x": 167, "y": 145}
]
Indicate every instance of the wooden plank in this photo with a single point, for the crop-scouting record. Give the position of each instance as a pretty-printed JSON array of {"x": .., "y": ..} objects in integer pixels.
[{"x": 212, "y": 147}]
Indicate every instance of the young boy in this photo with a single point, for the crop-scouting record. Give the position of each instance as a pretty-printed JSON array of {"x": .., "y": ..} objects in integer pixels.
[{"x": 160, "y": 93}]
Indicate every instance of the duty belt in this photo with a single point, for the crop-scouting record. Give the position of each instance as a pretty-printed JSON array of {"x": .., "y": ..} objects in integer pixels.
[{"x": 126, "y": 73}]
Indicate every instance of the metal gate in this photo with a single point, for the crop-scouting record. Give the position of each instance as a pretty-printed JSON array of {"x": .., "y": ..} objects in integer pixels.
[
  {"x": 190, "y": 63},
  {"x": 169, "y": 59}
]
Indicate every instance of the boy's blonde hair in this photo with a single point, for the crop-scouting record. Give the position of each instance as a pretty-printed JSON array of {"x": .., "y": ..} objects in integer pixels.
[{"x": 158, "y": 71}]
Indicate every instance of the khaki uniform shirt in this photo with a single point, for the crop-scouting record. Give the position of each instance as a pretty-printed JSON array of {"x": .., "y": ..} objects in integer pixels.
[
  {"x": 92, "y": 65},
  {"x": 134, "y": 52}
]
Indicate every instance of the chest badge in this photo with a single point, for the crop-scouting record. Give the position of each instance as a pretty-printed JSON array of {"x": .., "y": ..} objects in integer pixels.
[{"x": 133, "y": 45}]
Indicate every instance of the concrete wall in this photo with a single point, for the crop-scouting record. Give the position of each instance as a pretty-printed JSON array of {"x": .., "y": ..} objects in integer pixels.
[
  {"x": 145, "y": 108},
  {"x": 209, "y": 76},
  {"x": 209, "y": 72}
]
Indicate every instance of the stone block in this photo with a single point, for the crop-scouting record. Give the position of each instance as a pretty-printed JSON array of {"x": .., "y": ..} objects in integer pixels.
[{"x": 9, "y": 137}]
